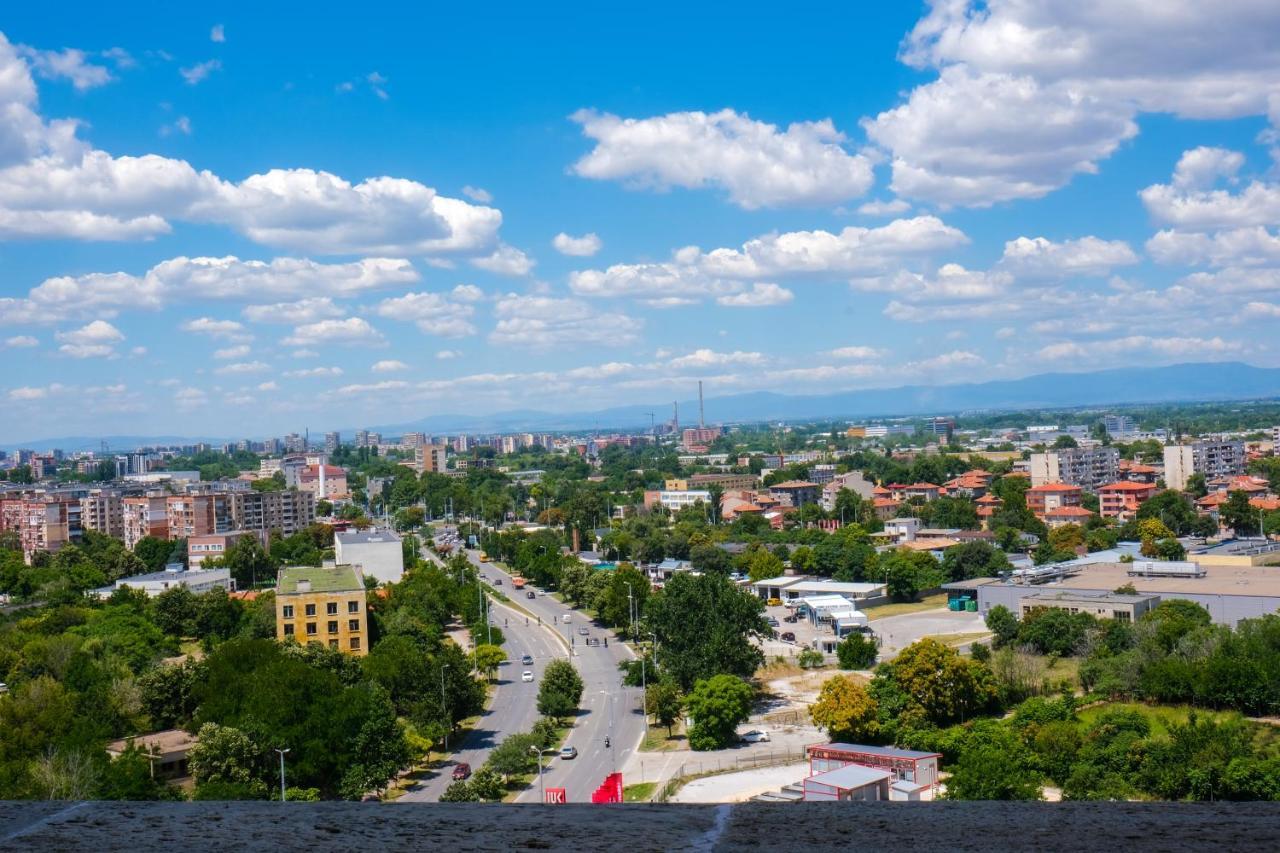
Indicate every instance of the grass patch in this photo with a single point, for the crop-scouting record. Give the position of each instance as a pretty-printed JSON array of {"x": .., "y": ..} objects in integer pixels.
[
  {"x": 656, "y": 740},
  {"x": 929, "y": 602},
  {"x": 641, "y": 792},
  {"x": 779, "y": 667},
  {"x": 1160, "y": 717}
]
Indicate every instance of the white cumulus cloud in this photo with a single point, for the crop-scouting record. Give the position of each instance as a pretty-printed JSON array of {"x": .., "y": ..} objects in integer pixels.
[
  {"x": 578, "y": 247},
  {"x": 756, "y": 163}
]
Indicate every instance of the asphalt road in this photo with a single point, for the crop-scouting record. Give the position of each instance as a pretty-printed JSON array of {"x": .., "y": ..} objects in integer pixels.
[
  {"x": 513, "y": 704},
  {"x": 602, "y": 688}
]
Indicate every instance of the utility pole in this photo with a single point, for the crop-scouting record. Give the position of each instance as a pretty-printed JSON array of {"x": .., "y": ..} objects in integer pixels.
[
  {"x": 542, "y": 782},
  {"x": 282, "y": 752}
]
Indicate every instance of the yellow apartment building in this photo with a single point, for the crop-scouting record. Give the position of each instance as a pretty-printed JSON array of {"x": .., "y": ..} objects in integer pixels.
[{"x": 323, "y": 605}]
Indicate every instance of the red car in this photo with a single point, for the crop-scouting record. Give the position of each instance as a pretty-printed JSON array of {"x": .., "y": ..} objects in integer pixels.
[{"x": 461, "y": 771}]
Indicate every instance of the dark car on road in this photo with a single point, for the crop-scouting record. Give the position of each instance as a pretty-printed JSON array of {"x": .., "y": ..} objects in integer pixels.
[
  {"x": 530, "y": 594},
  {"x": 788, "y": 637},
  {"x": 527, "y": 660},
  {"x": 461, "y": 771}
]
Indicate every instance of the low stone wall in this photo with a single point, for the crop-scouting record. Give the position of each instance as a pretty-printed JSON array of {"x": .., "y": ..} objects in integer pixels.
[{"x": 221, "y": 827}]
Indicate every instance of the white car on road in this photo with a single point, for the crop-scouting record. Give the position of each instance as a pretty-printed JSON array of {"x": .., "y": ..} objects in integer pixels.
[
  {"x": 527, "y": 675},
  {"x": 754, "y": 736}
]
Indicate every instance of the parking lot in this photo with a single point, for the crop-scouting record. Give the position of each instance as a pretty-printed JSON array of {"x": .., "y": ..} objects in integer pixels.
[{"x": 894, "y": 632}]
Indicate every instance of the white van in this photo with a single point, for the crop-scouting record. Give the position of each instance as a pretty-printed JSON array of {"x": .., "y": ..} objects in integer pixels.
[{"x": 567, "y": 618}]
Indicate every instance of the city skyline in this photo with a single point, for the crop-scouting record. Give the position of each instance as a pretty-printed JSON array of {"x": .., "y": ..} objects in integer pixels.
[{"x": 208, "y": 223}]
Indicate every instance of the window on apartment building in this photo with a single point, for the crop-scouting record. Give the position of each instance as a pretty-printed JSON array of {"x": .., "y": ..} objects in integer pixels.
[
  {"x": 355, "y": 643},
  {"x": 288, "y": 629},
  {"x": 333, "y": 626},
  {"x": 331, "y": 608},
  {"x": 353, "y": 606},
  {"x": 311, "y": 610},
  {"x": 288, "y": 611},
  {"x": 353, "y": 624},
  {"x": 311, "y": 629}
]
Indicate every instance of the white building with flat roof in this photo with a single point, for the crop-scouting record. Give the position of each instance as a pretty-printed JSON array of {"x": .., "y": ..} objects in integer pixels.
[
  {"x": 792, "y": 587},
  {"x": 378, "y": 553}
]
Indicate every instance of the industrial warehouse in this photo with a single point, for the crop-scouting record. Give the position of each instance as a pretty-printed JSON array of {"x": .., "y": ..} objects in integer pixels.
[{"x": 1229, "y": 592}]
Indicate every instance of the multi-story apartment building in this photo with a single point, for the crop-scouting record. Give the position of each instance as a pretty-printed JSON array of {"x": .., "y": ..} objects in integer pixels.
[
  {"x": 1212, "y": 458},
  {"x": 1119, "y": 424},
  {"x": 144, "y": 516},
  {"x": 198, "y": 515},
  {"x": 332, "y": 441},
  {"x": 326, "y": 482},
  {"x": 461, "y": 444},
  {"x": 287, "y": 511},
  {"x": 1122, "y": 499},
  {"x": 676, "y": 500},
  {"x": 103, "y": 511},
  {"x": 414, "y": 439},
  {"x": 41, "y": 524},
  {"x": 1087, "y": 468},
  {"x": 323, "y": 605},
  {"x": 362, "y": 438},
  {"x": 698, "y": 437},
  {"x": 1048, "y": 497},
  {"x": 430, "y": 457}
]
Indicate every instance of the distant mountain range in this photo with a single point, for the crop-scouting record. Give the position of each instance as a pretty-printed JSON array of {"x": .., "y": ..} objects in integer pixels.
[{"x": 1121, "y": 386}]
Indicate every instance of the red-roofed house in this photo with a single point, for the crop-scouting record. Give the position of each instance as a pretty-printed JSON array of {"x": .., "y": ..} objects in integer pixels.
[
  {"x": 1061, "y": 515},
  {"x": 1122, "y": 499}
]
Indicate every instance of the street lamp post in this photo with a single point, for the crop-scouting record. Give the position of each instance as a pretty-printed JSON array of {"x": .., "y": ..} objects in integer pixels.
[
  {"x": 282, "y": 752},
  {"x": 448, "y": 722},
  {"x": 631, "y": 617},
  {"x": 542, "y": 783}
]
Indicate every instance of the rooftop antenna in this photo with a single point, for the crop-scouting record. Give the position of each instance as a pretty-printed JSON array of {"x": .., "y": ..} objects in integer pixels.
[
  {"x": 702, "y": 424},
  {"x": 675, "y": 420},
  {"x": 653, "y": 429}
]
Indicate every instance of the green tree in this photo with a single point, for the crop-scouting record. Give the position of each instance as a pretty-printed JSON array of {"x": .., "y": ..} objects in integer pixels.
[
  {"x": 717, "y": 705},
  {"x": 515, "y": 755},
  {"x": 976, "y": 559},
  {"x": 665, "y": 702},
  {"x": 174, "y": 610},
  {"x": 856, "y": 651},
  {"x": 1240, "y": 515},
  {"x": 1003, "y": 624},
  {"x": 994, "y": 771},
  {"x": 153, "y": 552},
  {"x": 489, "y": 658},
  {"x": 1053, "y": 630},
  {"x": 379, "y": 750},
  {"x": 130, "y": 776},
  {"x": 460, "y": 792},
  {"x": 226, "y": 756},
  {"x": 560, "y": 691},
  {"x": 627, "y": 588},
  {"x": 846, "y": 710},
  {"x": 487, "y": 784},
  {"x": 706, "y": 625},
  {"x": 907, "y": 573},
  {"x": 763, "y": 565},
  {"x": 937, "y": 683}
]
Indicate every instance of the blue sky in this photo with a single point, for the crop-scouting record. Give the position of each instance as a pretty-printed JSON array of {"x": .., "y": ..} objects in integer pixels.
[{"x": 247, "y": 221}]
